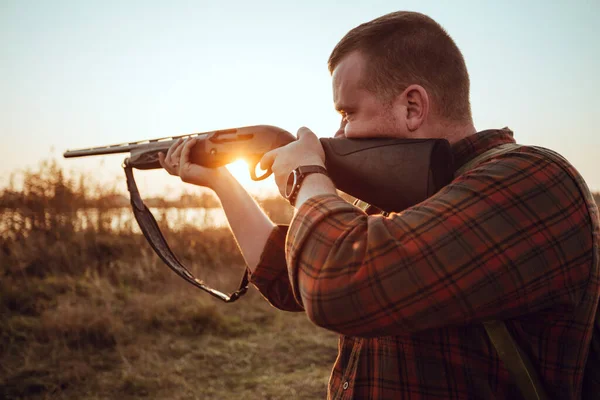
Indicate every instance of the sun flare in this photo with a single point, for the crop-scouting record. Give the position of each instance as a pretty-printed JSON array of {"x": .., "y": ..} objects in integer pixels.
[{"x": 240, "y": 170}]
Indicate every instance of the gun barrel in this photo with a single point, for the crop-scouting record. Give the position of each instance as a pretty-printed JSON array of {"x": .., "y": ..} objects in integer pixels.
[
  {"x": 98, "y": 150},
  {"x": 157, "y": 144}
]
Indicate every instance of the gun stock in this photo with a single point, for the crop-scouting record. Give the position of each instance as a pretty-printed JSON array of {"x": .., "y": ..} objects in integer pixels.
[{"x": 391, "y": 174}]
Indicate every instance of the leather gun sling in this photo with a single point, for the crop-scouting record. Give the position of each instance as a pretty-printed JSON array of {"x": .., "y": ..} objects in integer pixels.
[{"x": 152, "y": 232}]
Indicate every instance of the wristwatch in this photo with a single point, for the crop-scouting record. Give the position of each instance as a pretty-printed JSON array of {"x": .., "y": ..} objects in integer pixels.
[{"x": 295, "y": 178}]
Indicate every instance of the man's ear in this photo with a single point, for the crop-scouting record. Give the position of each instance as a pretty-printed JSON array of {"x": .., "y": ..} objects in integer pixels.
[{"x": 417, "y": 105}]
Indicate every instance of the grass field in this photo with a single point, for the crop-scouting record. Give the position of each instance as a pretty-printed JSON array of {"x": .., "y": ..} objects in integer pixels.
[
  {"x": 89, "y": 338},
  {"x": 90, "y": 313}
]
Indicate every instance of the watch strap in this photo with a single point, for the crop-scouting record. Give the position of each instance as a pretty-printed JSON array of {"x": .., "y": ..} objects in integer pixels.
[{"x": 302, "y": 172}]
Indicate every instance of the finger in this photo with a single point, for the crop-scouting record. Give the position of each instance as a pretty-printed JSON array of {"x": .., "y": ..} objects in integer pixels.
[
  {"x": 163, "y": 163},
  {"x": 177, "y": 152},
  {"x": 173, "y": 147},
  {"x": 170, "y": 151},
  {"x": 161, "y": 160},
  {"x": 185, "y": 152},
  {"x": 266, "y": 162}
]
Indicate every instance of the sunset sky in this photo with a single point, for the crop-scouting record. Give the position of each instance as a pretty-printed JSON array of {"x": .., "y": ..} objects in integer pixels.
[{"x": 82, "y": 73}]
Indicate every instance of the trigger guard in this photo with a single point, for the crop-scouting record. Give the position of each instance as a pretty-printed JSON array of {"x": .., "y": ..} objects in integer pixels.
[{"x": 253, "y": 173}]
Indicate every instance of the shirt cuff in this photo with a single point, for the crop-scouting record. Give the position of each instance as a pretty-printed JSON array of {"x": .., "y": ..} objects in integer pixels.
[
  {"x": 272, "y": 260},
  {"x": 271, "y": 275}
]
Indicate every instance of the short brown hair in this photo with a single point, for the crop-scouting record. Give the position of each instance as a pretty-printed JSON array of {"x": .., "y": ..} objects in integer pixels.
[{"x": 404, "y": 48}]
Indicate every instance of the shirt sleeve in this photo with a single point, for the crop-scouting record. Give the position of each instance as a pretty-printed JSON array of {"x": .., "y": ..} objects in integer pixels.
[
  {"x": 510, "y": 237},
  {"x": 271, "y": 275}
]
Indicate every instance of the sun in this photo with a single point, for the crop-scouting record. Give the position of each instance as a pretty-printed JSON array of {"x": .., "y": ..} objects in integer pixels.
[{"x": 240, "y": 171}]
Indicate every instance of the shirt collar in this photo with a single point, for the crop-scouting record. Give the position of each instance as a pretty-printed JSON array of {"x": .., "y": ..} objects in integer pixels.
[{"x": 470, "y": 147}]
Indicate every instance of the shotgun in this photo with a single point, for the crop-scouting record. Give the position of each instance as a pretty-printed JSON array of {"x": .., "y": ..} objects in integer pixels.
[{"x": 390, "y": 174}]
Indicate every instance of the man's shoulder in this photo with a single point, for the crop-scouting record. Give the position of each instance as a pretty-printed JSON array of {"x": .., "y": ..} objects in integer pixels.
[
  {"x": 547, "y": 169},
  {"x": 522, "y": 170},
  {"x": 554, "y": 159},
  {"x": 515, "y": 153}
]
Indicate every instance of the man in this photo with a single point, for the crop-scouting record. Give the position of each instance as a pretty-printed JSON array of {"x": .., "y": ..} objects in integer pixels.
[{"x": 513, "y": 238}]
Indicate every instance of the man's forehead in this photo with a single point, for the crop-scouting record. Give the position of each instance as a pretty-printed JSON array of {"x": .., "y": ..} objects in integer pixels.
[
  {"x": 346, "y": 75},
  {"x": 349, "y": 67}
]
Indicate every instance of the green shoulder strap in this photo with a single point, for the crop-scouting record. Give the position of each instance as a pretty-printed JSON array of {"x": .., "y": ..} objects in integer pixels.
[{"x": 516, "y": 360}]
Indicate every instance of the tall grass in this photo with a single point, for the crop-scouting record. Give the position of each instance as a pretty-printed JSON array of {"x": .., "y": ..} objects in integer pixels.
[{"x": 87, "y": 311}]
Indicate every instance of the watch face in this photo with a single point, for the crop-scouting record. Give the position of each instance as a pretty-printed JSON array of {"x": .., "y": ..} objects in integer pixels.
[{"x": 290, "y": 184}]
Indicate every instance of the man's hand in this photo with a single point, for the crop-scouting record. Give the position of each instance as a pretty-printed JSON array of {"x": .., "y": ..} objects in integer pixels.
[
  {"x": 307, "y": 150},
  {"x": 177, "y": 163}
]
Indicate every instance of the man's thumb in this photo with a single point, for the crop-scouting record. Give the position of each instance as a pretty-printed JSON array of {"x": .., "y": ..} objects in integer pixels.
[{"x": 303, "y": 132}]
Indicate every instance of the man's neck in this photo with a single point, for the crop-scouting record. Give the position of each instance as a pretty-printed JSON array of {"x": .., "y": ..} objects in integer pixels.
[{"x": 454, "y": 132}]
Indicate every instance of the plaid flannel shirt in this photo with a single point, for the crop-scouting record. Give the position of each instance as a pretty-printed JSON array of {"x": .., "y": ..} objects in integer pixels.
[{"x": 515, "y": 238}]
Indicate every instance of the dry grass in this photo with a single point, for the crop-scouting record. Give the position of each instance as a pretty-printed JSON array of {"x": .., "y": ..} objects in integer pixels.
[
  {"x": 87, "y": 312},
  {"x": 90, "y": 313}
]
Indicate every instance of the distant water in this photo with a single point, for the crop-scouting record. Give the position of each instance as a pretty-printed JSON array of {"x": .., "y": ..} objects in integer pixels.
[{"x": 122, "y": 219}]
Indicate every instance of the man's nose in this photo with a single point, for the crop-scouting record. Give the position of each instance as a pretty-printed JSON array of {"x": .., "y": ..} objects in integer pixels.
[{"x": 341, "y": 130}]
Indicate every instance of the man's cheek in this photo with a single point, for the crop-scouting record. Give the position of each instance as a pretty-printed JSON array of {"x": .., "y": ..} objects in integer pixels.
[
  {"x": 354, "y": 131},
  {"x": 350, "y": 130}
]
